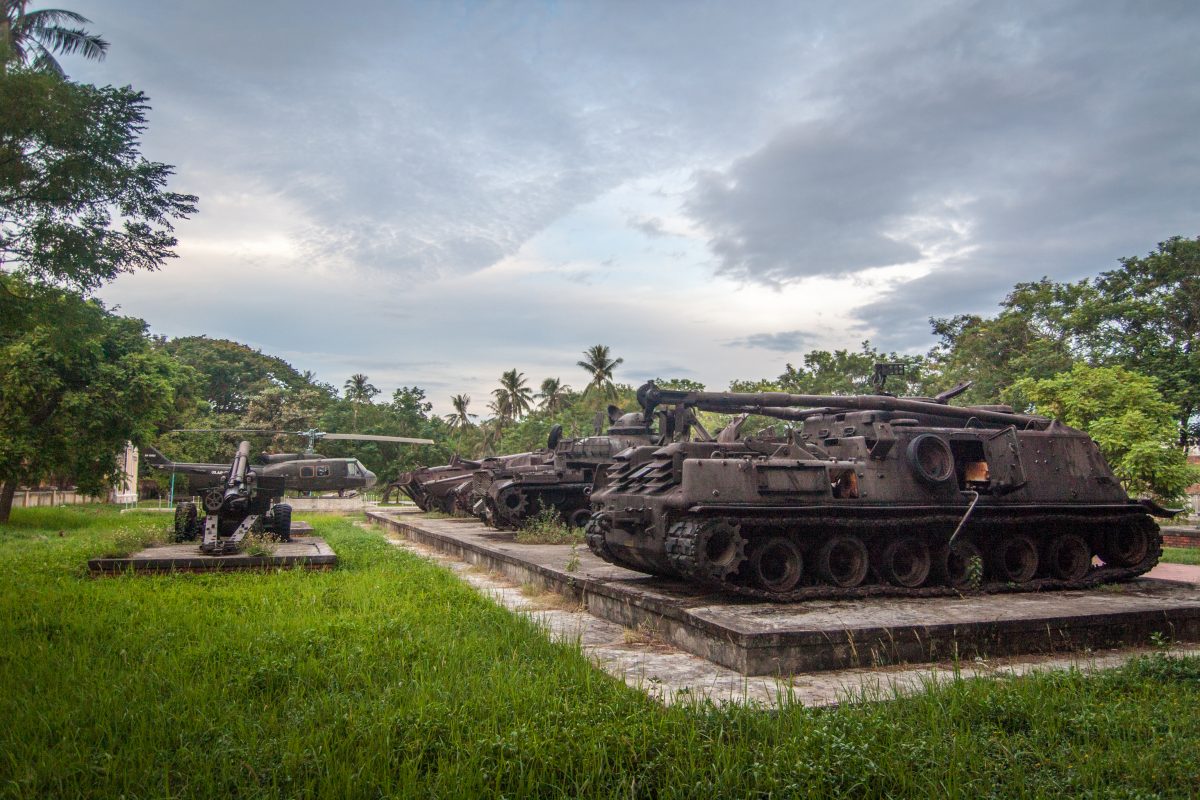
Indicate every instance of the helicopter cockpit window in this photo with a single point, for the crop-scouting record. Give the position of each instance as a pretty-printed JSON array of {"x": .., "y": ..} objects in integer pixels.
[
  {"x": 352, "y": 468},
  {"x": 323, "y": 471}
]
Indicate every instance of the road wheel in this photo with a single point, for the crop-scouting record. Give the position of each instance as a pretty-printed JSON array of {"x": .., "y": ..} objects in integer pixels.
[
  {"x": 776, "y": 565},
  {"x": 1067, "y": 557},
  {"x": 1127, "y": 544},
  {"x": 186, "y": 524},
  {"x": 283, "y": 522},
  {"x": 1014, "y": 559},
  {"x": 960, "y": 567},
  {"x": 842, "y": 560},
  {"x": 579, "y": 517},
  {"x": 905, "y": 561}
]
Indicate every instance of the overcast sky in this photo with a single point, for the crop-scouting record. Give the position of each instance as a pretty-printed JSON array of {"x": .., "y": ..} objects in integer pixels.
[{"x": 434, "y": 193}]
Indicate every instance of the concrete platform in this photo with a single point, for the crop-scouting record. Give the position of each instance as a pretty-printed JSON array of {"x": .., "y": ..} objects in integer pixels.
[
  {"x": 306, "y": 552},
  {"x": 780, "y": 639}
]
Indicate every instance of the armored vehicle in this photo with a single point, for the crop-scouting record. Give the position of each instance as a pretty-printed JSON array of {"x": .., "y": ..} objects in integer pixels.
[
  {"x": 872, "y": 494},
  {"x": 428, "y": 486},
  {"x": 511, "y": 494}
]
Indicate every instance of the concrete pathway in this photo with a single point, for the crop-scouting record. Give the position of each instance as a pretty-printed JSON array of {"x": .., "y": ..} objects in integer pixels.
[
  {"x": 672, "y": 675},
  {"x": 1184, "y": 573}
]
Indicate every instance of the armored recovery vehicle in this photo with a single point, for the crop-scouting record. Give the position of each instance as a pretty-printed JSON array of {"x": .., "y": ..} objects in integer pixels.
[{"x": 873, "y": 494}]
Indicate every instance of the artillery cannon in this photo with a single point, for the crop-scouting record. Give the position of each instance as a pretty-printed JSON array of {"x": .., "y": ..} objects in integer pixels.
[
  {"x": 243, "y": 503},
  {"x": 872, "y": 494}
]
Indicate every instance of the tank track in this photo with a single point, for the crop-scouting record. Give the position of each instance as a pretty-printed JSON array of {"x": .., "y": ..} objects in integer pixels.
[
  {"x": 682, "y": 546},
  {"x": 594, "y": 533}
]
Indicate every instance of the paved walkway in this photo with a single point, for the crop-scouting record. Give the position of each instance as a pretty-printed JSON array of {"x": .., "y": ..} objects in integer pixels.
[{"x": 1186, "y": 573}]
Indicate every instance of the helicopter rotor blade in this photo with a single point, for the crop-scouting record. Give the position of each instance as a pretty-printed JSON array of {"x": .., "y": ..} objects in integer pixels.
[
  {"x": 224, "y": 430},
  {"x": 368, "y": 437}
]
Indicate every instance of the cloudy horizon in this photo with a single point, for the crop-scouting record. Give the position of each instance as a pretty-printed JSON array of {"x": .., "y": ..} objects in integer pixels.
[{"x": 432, "y": 194}]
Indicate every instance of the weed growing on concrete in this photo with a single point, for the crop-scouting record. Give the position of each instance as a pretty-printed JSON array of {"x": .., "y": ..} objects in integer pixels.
[
  {"x": 548, "y": 527},
  {"x": 258, "y": 545}
]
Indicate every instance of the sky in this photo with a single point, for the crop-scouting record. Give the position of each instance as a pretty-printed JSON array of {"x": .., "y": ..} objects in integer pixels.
[{"x": 433, "y": 193}]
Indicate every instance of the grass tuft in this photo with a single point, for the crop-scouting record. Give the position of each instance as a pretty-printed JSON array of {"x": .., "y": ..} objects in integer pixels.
[{"x": 548, "y": 527}]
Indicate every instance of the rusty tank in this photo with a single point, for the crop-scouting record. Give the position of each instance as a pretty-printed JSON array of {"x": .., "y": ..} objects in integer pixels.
[
  {"x": 509, "y": 495},
  {"x": 428, "y": 486},
  {"x": 872, "y": 494}
]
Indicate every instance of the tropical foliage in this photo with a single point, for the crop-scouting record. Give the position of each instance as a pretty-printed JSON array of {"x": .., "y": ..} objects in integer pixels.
[
  {"x": 599, "y": 366},
  {"x": 33, "y": 37},
  {"x": 69, "y": 163}
]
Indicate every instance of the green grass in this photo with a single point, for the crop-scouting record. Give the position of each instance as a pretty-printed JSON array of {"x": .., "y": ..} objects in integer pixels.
[
  {"x": 1181, "y": 555},
  {"x": 388, "y": 677}
]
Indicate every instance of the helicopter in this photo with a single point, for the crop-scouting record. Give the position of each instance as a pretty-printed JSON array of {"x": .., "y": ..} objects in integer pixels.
[{"x": 304, "y": 472}]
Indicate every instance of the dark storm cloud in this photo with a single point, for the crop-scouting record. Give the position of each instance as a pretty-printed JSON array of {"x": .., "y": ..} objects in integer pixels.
[
  {"x": 783, "y": 341},
  {"x": 1034, "y": 140}
]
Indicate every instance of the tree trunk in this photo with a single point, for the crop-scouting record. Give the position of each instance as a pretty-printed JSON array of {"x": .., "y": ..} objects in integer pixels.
[{"x": 7, "y": 490}]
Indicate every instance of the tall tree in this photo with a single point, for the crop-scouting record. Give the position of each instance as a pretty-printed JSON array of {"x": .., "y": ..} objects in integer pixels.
[
  {"x": 1030, "y": 337},
  {"x": 461, "y": 418},
  {"x": 1146, "y": 316},
  {"x": 359, "y": 390},
  {"x": 33, "y": 37},
  {"x": 599, "y": 367},
  {"x": 514, "y": 399},
  {"x": 554, "y": 395},
  {"x": 69, "y": 163},
  {"x": 76, "y": 383},
  {"x": 234, "y": 373},
  {"x": 1126, "y": 414}
]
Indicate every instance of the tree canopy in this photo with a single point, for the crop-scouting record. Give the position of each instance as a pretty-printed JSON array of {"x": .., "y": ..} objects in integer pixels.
[
  {"x": 76, "y": 383},
  {"x": 79, "y": 205},
  {"x": 1126, "y": 415}
]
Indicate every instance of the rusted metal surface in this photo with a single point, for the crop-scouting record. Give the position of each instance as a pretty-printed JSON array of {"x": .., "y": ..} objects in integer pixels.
[
  {"x": 508, "y": 494},
  {"x": 871, "y": 494}
]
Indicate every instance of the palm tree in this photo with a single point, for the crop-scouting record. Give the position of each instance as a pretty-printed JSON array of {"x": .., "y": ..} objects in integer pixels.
[
  {"x": 460, "y": 418},
  {"x": 32, "y": 37},
  {"x": 359, "y": 390},
  {"x": 553, "y": 395},
  {"x": 513, "y": 398},
  {"x": 600, "y": 368}
]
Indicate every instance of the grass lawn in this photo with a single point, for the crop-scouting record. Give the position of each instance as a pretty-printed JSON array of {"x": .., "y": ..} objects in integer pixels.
[
  {"x": 1181, "y": 555},
  {"x": 388, "y": 677}
]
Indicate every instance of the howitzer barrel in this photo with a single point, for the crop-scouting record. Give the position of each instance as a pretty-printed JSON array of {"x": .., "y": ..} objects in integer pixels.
[
  {"x": 745, "y": 402},
  {"x": 235, "y": 484}
]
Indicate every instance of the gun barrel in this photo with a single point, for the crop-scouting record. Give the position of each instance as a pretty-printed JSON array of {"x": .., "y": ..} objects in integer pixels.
[
  {"x": 733, "y": 402},
  {"x": 237, "y": 471}
]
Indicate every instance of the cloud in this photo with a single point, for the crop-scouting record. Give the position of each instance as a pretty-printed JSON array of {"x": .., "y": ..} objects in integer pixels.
[
  {"x": 783, "y": 341},
  {"x": 409, "y": 179},
  {"x": 983, "y": 143},
  {"x": 651, "y": 226}
]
